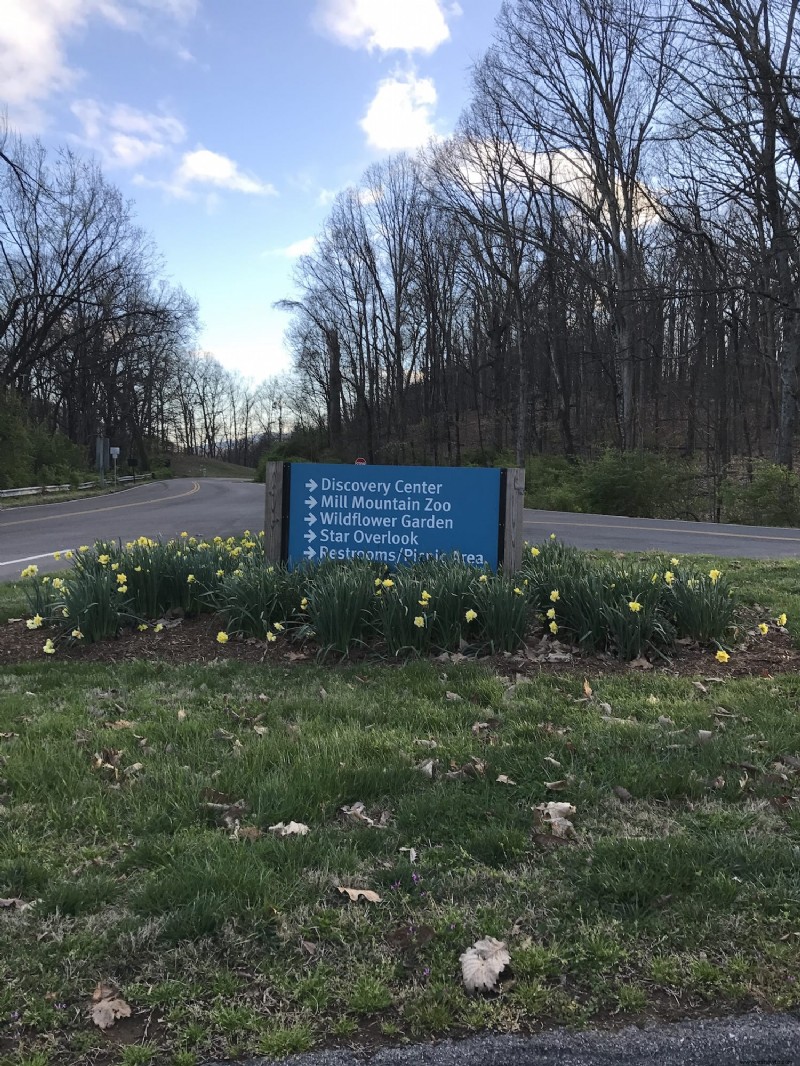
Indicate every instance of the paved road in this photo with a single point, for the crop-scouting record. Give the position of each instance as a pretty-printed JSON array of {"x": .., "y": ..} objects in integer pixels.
[
  {"x": 212, "y": 506},
  {"x": 766, "y": 1040},
  {"x": 225, "y": 506},
  {"x": 646, "y": 534}
]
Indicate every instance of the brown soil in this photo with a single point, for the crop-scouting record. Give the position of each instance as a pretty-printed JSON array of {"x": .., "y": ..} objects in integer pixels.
[{"x": 194, "y": 641}]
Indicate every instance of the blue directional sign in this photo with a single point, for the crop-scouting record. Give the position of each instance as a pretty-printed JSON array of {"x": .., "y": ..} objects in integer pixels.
[{"x": 393, "y": 514}]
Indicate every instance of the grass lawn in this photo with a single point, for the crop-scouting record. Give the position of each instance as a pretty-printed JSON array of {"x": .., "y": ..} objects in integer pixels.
[
  {"x": 201, "y": 466},
  {"x": 136, "y": 801}
]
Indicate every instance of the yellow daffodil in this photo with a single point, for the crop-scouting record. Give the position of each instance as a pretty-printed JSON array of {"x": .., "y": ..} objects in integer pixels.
[
  {"x": 143, "y": 628},
  {"x": 551, "y": 613},
  {"x": 763, "y": 628},
  {"x": 35, "y": 622},
  {"x": 555, "y": 596},
  {"x": 45, "y": 580},
  {"x": 49, "y": 647},
  {"x": 222, "y": 637},
  {"x": 30, "y": 571},
  {"x": 471, "y": 615},
  {"x": 377, "y": 581},
  {"x": 128, "y": 545},
  {"x": 122, "y": 588},
  {"x": 552, "y": 536},
  {"x": 722, "y": 656},
  {"x": 115, "y": 566},
  {"x": 535, "y": 552},
  {"x": 419, "y": 622},
  {"x": 553, "y": 628},
  {"x": 103, "y": 560},
  {"x": 715, "y": 575},
  {"x": 483, "y": 578},
  {"x": 137, "y": 569},
  {"x": 158, "y": 627},
  {"x": 56, "y": 555},
  {"x": 669, "y": 577},
  {"x": 388, "y": 583},
  {"x": 271, "y": 638},
  {"x": 184, "y": 535},
  {"x": 634, "y": 606},
  {"x": 277, "y": 627},
  {"x": 193, "y": 540},
  {"x": 303, "y": 603},
  {"x": 517, "y": 591},
  {"x": 68, "y": 554},
  {"x": 58, "y": 584},
  {"x": 84, "y": 548},
  {"x": 654, "y": 578},
  {"x": 121, "y": 579},
  {"x": 220, "y": 573},
  {"x": 77, "y": 635},
  {"x": 674, "y": 562},
  {"x": 781, "y": 619},
  {"x": 190, "y": 580},
  {"x": 64, "y": 612}
]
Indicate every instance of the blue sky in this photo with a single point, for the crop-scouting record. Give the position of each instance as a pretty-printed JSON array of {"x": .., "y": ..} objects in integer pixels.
[{"x": 232, "y": 123}]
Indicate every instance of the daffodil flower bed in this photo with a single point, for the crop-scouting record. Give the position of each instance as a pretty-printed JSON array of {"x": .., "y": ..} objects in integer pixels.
[{"x": 627, "y": 609}]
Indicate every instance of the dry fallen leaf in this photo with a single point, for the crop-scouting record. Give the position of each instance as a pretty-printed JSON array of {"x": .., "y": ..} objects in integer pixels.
[
  {"x": 289, "y": 829},
  {"x": 622, "y": 793},
  {"x": 412, "y": 854},
  {"x": 429, "y": 744},
  {"x": 13, "y": 904},
  {"x": 640, "y": 664},
  {"x": 557, "y": 815},
  {"x": 558, "y": 786},
  {"x": 482, "y": 964},
  {"x": 355, "y": 894},
  {"x": 454, "y": 696},
  {"x": 181, "y": 715},
  {"x": 428, "y": 767},
  {"x": 587, "y": 689},
  {"x": 107, "y": 1006},
  {"x": 250, "y": 832},
  {"x": 704, "y": 735},
  {"x": 260, "y": 730},
  {"x": 504, "y": 779}
]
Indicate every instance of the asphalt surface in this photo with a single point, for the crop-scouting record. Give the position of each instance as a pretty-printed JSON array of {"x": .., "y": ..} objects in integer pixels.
[
  {"x": 752, "y": 1040},
  {"x": 228, "y": 506},
  {"x": 157, "y": 508}
]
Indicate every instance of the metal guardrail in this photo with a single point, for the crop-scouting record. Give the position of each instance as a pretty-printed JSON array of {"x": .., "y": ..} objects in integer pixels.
[{"x": 38, "y": 490}]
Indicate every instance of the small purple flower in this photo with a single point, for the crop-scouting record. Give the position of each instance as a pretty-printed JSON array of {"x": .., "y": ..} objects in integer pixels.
[
  {"x": 426, "y": 972},
  {"x": 395, "y": 885},
  {"x": 14, "y": 1015},
  {"x": 416, "y": 878}
]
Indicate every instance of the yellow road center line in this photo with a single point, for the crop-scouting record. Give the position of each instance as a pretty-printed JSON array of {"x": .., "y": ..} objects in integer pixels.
[
  {"x": 658, "y": 529},
  {"x": 96, "y": 510}
]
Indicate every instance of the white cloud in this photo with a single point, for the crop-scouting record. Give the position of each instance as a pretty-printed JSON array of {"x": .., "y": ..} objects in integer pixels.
[
  {"x": 205, "y": 171},
  {"x": 400, "y": 115},
  {"x": 388, "y": 25},
  {"x": 124, "y": 136},
  {"x": 34, "y": 35},
  {"x": 303, "y": 247}
]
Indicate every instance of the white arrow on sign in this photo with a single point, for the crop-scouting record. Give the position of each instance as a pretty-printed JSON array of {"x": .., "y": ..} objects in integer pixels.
[
  {"x": 311, "y": 485},
  {"x": 310, "y": 502},
  {"x": 311, "y": 519},
  {"x": 311, "y": 535},
  {"x": 310, "y": 553}
]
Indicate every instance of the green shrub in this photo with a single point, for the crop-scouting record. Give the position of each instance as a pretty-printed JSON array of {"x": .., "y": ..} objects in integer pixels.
[
  {"x": 554, "y": 483},
  {"x": 640, "y": 485},
  {"x": 769, "y": 497}
]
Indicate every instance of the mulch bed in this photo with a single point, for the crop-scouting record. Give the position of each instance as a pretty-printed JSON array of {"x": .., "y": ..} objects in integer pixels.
[{"x": 193, "y": 640}]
